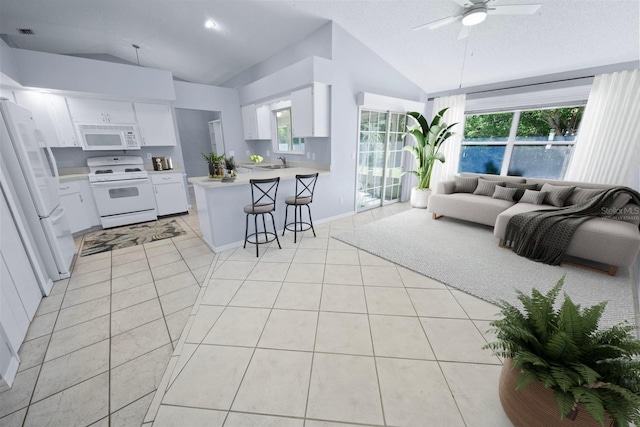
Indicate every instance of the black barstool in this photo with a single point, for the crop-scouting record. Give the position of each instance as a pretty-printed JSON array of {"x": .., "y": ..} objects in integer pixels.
[
  {"x": 305, "y": 184},
  {"x": 263, "y": 201}
]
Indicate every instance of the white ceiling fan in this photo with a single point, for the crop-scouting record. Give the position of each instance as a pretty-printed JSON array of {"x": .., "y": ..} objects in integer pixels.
[{"x": 476, "y": 11}]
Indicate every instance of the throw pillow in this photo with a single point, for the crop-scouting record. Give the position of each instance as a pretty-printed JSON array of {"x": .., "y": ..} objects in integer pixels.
[
  {"x": 465, "y": 184},
  {"x": 532, "y": 196},
  {"x": 486, "y": 187},
  {"x": 504, "y": 193},
  {"x": 556, "y": 194},
  {"x": 520, "y": 188},
  {"x": 581, "y": 195}
]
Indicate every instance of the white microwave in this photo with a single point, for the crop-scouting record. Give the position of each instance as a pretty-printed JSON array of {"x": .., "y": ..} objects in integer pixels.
[{"x": 109, "y": 136}]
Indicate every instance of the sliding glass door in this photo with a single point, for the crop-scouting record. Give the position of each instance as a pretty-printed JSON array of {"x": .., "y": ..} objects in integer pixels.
[{"x": 379, "y": 158}]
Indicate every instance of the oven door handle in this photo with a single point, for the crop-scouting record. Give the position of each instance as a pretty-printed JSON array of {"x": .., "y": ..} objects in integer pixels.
[{"x": 119, "y": 183}]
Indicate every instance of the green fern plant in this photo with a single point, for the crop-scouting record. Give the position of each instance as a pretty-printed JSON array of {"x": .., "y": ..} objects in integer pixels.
[{"x": 564, "y": 350}]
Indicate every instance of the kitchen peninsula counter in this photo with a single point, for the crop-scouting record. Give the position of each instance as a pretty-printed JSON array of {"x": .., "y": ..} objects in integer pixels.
[{"x": 220, "y": 204}]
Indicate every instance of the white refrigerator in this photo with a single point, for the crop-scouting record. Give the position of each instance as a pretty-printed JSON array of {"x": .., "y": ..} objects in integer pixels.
[{"x": 33, "y": 174}]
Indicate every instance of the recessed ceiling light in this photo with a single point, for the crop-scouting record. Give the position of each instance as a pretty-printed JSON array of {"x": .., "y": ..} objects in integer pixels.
[
  {"x": 211, "y": 24},
  {"x": 474, "y": 16}
]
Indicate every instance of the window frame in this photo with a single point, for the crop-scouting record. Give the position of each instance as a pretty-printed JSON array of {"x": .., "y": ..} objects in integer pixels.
[
  {"x": 512, "y": 140},
  {"x": 274, "y": 134}
]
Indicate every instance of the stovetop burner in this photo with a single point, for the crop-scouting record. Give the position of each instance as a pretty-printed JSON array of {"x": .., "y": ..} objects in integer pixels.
[
  {"x": 133, "y": 170},
  {"x": 99, "y": 171}
]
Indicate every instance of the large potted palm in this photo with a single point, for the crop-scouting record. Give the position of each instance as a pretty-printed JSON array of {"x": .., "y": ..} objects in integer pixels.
[
  {"x": 426, "y": 151},
  {"x": 560, "y": 369}
]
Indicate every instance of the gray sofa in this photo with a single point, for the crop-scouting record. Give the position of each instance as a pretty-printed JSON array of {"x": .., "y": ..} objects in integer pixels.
[{"x": 613, "y": 241}]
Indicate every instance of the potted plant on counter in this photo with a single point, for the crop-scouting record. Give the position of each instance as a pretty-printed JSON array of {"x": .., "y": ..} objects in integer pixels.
[
  {"x": 560, "y": 369},
  {"x": 426, "y": 151},
  {"x": 230, "y": 166},
  {"x": 215, "y": 164}
]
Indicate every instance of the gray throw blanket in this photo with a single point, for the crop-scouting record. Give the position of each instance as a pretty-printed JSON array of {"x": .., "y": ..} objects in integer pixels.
[{"x": 544, "y": 236}]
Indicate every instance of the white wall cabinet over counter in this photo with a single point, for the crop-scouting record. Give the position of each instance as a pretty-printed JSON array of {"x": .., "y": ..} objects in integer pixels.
[
  {"x": 171, "y": 197},
  {"x": 51, "y": 116},
  {"x": 256, "y": 122},
  {"x": 79, "y": 204},
  {"x": 155, "y": 123},
  {"x": 101, "y": 111},
  {"x": 310, "y": 111}
]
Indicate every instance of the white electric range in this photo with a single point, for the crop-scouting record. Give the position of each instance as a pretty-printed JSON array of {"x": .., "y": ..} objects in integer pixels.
[{"x": 122, "y": 189}]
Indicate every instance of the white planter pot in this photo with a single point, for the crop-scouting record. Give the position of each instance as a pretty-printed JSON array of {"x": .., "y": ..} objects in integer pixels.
[{"x": 419, "y": 198}]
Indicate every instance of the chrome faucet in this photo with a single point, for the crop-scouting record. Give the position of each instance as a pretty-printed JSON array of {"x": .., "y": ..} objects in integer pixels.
[{"x": 284, "y": 161}]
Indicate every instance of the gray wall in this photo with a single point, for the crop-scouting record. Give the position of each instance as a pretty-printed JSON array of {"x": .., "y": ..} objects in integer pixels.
[{"x": 193, "y": 129}]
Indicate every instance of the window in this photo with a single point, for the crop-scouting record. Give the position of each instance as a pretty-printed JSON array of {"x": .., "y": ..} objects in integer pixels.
[
  {"x": 531, "y": 143},
  {"x": 285, "y": 141}
]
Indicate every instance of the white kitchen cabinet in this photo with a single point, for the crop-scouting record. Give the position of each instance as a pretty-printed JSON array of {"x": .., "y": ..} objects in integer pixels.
[
  {"x": 171, "y": 196},
  {"x": 310, "y": 111},
  {"x": 101, "y": 111},
  {"x": 256, "y": 121},
  {"x": 51, "y": 116},
  {"x": 79, "y": 204},
  {"x": 155, "y": 123}
]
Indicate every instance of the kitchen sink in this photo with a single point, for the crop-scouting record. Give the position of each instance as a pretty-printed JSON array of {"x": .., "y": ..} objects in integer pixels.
[{"x": 272, "y": 167}]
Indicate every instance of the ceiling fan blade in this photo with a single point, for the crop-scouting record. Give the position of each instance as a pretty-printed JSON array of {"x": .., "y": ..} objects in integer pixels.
[
  {"x": 464, "y": 3},
  {"x": 439, "y": 23},
  {"x": 516, "y": 9},
  {"x": 464, "y": 32}
]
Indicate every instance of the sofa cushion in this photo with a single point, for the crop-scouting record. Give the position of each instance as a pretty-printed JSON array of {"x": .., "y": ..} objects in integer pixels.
[
  {"x": 581, "y": 195},
  {"x": 556, "y": 194},
  {"x": 468, "y": 207},
  {"x": 465, "y": 184},
  {"x": 533, "y": 197},
  {"x": 504, "y": 193},
  {"x": 486, "y": 187},
  {"x": 520, "y": 188}
]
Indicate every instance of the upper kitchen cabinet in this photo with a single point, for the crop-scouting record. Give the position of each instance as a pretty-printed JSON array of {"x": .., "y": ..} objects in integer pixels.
[
  {"x": 51, "y": 116},
  {"x": 310, "y": 111},
  {"x": 155, "y": 123},
  {"x": 256, "y": 122},
  {"x": 101, "y": 111}
]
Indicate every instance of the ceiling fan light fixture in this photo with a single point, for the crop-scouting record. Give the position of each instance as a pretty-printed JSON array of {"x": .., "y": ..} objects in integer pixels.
[{"x": 474, "y": 16}]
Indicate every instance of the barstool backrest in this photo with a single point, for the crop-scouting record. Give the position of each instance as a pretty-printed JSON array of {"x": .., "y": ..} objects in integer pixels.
[
  {"x": 305, "y": 185},
  {"x": 264, "y": 191}
]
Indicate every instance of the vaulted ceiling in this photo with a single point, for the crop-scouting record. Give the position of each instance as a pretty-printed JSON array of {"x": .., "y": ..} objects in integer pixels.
[{"x": 563, "y": 35}]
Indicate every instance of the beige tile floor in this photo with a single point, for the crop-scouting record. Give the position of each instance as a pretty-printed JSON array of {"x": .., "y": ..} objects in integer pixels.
[
  {"x": 99, "y": 344},
  {"x": 316, "y": 334}
]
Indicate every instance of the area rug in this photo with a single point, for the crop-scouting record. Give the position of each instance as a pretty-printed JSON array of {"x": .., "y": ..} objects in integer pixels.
[
  {"x": 467, "y": 257},
  {"x": 123, "y": 237}
]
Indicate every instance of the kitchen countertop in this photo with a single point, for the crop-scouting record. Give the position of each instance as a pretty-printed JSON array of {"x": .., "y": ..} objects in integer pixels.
[{"x": 243, "y": 178}]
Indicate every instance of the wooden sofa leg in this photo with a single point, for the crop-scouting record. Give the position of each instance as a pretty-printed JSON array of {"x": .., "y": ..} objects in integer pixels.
[
  {"x": 436, "y": 216},
  {"x": 612, "y": 270},
  {"x": 502, "y": 244}
]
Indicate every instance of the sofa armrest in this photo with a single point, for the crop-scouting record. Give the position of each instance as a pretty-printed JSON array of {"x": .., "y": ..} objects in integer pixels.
[{"x": 445, "y": 187}]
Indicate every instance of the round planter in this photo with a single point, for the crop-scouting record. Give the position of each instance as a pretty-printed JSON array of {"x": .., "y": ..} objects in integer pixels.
[
  {"x": 420, "y": 197},
  {"x": 534, "y": 406}
]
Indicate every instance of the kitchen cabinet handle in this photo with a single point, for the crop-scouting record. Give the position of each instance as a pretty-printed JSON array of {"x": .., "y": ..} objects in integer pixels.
[
  {"x": 155, "y": 187},
  {"x": 103, "y": 119},
  {"x": 108, "y": 118},
  {"x": 81, "y": 199}
]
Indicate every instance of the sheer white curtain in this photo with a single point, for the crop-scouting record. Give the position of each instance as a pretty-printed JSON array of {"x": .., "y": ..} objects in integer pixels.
[
  {"x": 608, "y": 147},
  {"x": 451, "y": 148}
]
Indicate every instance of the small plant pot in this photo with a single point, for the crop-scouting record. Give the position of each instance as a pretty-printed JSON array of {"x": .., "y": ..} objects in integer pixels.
[
  {"x": 420, "y": 197},
  {"x": 535, "y": 406}
]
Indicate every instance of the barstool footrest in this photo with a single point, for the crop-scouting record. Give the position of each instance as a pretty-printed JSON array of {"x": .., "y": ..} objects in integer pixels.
[
  {"x": 293, "y": 226},
  {"x": 273, "y": 236}
]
